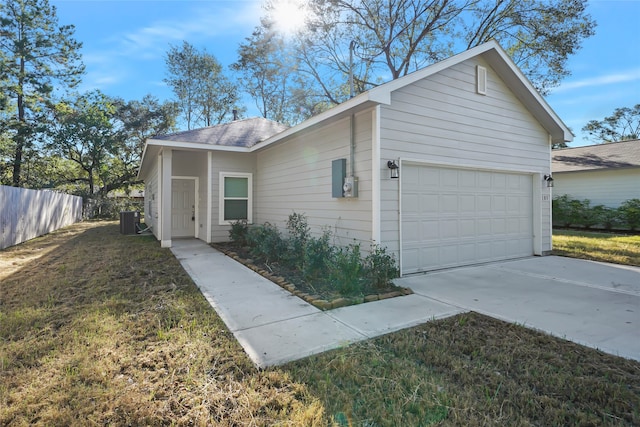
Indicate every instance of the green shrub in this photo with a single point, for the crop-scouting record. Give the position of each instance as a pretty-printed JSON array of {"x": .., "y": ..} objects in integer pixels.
[
  {"x": 630, "y": 212},
  {"x": 579, "y": 213},
  {"x": 299, "y": 234},
  {"x": 380, "y": 267},
  {"x": 346, "y": 270},
  {"x": 343, "y": 268},
  {"x": 238, "y": 232},
  {"x": 266, "y": 242},
  {"x": 317, "y": 256}
]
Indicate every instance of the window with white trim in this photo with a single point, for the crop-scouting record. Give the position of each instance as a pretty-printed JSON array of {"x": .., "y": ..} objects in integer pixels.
[{"x": 235, "y": 197}]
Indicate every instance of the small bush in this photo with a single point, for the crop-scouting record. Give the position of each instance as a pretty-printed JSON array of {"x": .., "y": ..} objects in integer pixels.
[
  {"x": 380, "y": 267},
  {"x": 630, "y": 212},
  {"x": 238, "y": 232},
  {"x": 317, "y": 256},
  {"x": 266, "y": 242},
  {"x": 346, "y": 270},
  {"x": 299, "y": 234}
]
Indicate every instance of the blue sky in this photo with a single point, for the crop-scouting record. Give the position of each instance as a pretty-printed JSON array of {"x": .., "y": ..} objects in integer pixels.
[{"x": 124, "y": 44}]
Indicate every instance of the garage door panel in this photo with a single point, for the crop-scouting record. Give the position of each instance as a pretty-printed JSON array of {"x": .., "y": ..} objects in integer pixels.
[
  {"x": 467, "y": 203},
  {"x": 429, "y": 204},
  {"x": 453, "y": 217},
  {"x": 448, "y": 203},
  {"x": 467, "y": 228},
  {"x": 430, "y": 230},
  {"x": 448, "y": 228}
]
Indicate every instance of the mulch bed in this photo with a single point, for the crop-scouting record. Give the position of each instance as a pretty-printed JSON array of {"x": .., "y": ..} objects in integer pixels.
[{"x": 319, "y": 295}]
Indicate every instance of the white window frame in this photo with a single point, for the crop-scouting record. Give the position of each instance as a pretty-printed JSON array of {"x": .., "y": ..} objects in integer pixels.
[{"x": 221, "y": 198}]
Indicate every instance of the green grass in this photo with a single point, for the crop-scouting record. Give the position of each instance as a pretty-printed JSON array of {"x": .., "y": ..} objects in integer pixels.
[
  {"x": 97, "y": 328},
  {"x": 605, "y": 247}
]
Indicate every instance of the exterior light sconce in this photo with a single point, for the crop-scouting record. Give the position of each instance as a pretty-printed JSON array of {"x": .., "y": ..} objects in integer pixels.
[
  {"x": 395, "y": 169},
  {"x": 549, "y": 180}
]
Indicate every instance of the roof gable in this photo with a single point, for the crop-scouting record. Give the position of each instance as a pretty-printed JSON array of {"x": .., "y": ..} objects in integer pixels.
[
  {"x": 492, "y": 53},
  {"x": 613, "y": 155}
]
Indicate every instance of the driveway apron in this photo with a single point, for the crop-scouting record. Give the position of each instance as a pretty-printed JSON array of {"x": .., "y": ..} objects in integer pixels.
[{"x": 591, "y": 303}]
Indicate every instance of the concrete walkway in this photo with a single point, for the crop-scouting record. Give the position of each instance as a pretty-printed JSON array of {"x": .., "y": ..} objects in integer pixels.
[
  {"x": 275, "y": 327},
  {"x": 591, "y": 303}
]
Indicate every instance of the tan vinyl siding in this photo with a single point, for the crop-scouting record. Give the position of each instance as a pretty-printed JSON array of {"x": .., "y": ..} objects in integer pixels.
[
  {"x": 228, "y": 162},
  {"x": 602, "y": 187},
  {"x": 295, "y": 176},
  {"x": 443, "y": 120},
  {"x": 151, "y": 197}
]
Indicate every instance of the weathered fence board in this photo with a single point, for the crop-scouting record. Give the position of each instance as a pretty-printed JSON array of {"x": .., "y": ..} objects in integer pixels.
[{"x": 25, "y": 214}]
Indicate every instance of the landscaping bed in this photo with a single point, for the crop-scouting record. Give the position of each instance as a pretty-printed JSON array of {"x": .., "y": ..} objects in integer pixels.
[
  {"x": 321, "y": 295},
  {"x": 315, "y": 268}
]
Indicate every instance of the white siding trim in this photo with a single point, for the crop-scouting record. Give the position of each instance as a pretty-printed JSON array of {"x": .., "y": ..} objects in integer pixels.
[
  {"x": 165, "y": 223},
  {"x": 375, "y": 176},
  {"x": 468, "y": 166},
  {"x": 537, "y": 213},
  {"x": 223, "y": 175},
  {"x": 158, "y": 229},
  {"x": 481, "y": 80},
  {"x": 400, "y": 165},
  {"x": 209, "y": 195}
]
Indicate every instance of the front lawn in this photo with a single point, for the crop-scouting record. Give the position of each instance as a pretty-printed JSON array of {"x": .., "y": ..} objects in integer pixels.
[
  {"x": 605, "y": 247},
  {"x": 97, "y": 328}
]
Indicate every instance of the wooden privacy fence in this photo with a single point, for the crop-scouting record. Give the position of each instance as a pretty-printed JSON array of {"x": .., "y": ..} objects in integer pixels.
[{"x": 25, "y": 214}]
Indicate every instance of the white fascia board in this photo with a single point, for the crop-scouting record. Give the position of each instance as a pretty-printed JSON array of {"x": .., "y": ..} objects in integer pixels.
[
  {"x": 196, "y": 146},
  {"x": 369, "y": 96}
]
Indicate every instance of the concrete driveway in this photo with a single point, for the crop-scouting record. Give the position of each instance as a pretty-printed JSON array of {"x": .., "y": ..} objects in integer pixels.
[{"x": 591, "y": 303}]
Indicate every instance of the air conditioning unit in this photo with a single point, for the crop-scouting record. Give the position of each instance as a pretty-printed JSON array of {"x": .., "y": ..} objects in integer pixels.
[{"x": 129, "y": 222}]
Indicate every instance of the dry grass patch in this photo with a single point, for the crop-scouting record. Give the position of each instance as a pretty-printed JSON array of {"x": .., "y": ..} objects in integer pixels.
[
  {"x": 471, "y": 370},
  {"x": 605, "y": 247},
  {"x": 105, "y": 329},
  {"x": 108, "y": 329}
]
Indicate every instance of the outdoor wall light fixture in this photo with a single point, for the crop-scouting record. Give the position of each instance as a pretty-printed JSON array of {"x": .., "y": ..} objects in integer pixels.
[
  {"x": 549, "y": 180},
  {"x": 395, "y": 169}
]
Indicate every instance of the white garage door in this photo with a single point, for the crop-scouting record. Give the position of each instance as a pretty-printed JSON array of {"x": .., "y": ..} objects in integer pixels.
[{"x": 453, "y": 217}]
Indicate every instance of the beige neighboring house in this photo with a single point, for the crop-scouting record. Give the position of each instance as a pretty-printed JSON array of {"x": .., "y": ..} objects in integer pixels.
[
  {"x": 606, "y": 174},
  {"x": 471, "y": 139}
]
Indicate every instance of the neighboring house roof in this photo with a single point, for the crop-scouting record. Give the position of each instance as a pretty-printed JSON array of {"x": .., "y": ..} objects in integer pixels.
[
  {"x": 239, "y": 133},
  {"x": 612, "y": 155},
  {"x": 491, "y": 52}
]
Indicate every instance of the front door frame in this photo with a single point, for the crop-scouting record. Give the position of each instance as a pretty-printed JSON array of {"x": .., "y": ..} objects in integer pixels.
[{"x": 196, "y": 187}]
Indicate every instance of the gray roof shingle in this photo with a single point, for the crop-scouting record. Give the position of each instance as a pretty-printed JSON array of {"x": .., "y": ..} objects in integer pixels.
[
  {"x": 239, "y": 133},
  {"x": 614, "y": 155}
]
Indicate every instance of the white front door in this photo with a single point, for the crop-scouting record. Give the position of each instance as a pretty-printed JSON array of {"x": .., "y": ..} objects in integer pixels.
[{"x": 183, "y": 208}]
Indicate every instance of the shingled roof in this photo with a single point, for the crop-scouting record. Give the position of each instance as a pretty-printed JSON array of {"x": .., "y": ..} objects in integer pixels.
[
  {"x": 614, "y": 155},
  {"x": 239, "y": 133}
]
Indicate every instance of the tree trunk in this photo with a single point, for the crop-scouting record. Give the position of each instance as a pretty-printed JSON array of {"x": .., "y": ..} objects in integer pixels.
[{"x": 20, "y": 136}]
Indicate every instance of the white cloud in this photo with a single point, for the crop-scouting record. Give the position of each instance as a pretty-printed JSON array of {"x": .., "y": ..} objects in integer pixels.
[
  {"x": 607, "y": 79},
  {"x": 199, "y": 24}
]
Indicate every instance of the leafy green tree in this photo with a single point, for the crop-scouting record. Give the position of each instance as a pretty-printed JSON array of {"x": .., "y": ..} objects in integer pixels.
[
  {"x": 86, "y": 136},
  {"x": 100, "y": 140},
  {"x": 134, "y": 122},
  {"x": 391, "y": 38},
  {"x": 622, "y": 125},
  {"x": 205, "y": 95},
  {"x": 35, "y": 54}
]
